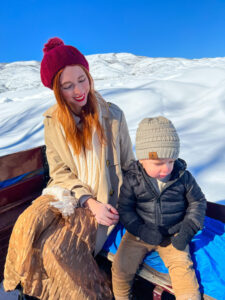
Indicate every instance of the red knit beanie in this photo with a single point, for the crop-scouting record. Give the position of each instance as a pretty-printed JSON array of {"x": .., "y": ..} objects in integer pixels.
[{"x": 57, "y": 55}]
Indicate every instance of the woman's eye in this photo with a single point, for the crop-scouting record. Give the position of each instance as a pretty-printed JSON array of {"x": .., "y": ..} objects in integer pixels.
[
  {"x": 81, "y": 80},
  {"x": 66, "y": 87}
]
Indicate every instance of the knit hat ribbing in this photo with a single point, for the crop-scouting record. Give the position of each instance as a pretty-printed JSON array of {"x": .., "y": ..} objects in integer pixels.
[
  {"x": 157, "y": 138},
  {"x": 57, "y": 55}
]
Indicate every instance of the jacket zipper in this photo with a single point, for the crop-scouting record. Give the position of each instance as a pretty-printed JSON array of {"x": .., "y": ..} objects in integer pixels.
[{"x": 157, "y": 201}]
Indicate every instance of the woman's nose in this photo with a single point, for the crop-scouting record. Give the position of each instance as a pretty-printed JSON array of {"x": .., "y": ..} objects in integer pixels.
[{"x": 77, "y": 90}]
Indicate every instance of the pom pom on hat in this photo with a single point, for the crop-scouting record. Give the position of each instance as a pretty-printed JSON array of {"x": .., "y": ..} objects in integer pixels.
[
  {"x": 52, "y": 43},
  {"x": 57, "y": 56}
]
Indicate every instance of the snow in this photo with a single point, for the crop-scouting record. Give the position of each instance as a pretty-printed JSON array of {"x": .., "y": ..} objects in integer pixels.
[{"x": 189, "y": 92}]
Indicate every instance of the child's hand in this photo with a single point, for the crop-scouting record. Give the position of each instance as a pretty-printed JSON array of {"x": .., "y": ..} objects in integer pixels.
[
  {"x": 175, "y": 228},
  {"x": 187, "y": 231}
]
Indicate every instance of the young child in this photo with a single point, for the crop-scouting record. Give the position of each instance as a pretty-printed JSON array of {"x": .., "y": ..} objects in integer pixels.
[{"x": 162, "y": 208}]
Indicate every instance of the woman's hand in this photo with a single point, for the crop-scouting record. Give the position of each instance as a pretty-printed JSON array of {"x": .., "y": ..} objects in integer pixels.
[{"x": 105, "y": 214}]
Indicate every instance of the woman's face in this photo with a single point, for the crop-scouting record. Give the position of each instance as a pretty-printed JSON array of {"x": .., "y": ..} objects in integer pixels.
[{"x": 74, "y": 85}]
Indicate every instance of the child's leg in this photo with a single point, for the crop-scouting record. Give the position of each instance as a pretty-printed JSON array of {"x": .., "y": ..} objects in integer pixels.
[
  {"x": 182, "y": 274},
  {"x": 129, "y": 256}
]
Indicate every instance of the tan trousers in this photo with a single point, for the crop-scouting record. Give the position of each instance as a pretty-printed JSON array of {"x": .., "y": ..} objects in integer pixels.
[{"x": 130, "y": 255}]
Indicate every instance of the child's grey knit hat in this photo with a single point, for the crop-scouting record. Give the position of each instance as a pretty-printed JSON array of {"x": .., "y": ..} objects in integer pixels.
[{"x": 157, "y": 138}]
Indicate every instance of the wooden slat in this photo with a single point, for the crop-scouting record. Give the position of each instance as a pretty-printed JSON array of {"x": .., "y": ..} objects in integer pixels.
[
  {"x": 5, "y": 239},
  {"x": 3, "y": 250},
  {"x": 8, "y": 220},
  {"x": 216, "y": 211},
  {"x": 4, "y": 235},
  {"x": 20, "y": 191},
  {"x": 3, "y": 253},
  {"x": 2, "y": 263},
  {"x": 19, "y": 163},
  {"x": 15, "y": 199},
  {"x": 18, "y": 197}
]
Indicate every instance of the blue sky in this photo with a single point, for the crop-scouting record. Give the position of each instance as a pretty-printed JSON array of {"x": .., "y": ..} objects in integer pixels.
[{"x": 159, "y": 28}]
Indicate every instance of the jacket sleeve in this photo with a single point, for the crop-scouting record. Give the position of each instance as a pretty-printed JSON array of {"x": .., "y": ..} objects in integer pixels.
[
  {"x": 127, "y": 209},
  {"x": 60, "y": 173},
  {"x": 196, "y": 201},
  {"x": 126, "y": 151}
]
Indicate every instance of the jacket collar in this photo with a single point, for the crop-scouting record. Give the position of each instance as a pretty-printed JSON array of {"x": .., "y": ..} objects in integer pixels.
[
  {"x": 50, "y": 111},
  {"x": 178, "y": 170}
]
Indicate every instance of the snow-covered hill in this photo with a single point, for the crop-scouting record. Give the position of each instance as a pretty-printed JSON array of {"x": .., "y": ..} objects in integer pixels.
[{"x": 189, "y": 92}]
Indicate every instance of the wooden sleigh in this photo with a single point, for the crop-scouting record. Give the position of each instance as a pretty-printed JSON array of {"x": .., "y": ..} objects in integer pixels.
[{"x": 23, "y": 175}]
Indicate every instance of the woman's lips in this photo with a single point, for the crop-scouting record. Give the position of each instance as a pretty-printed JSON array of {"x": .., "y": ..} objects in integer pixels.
[{"x": 79, "y": 99}]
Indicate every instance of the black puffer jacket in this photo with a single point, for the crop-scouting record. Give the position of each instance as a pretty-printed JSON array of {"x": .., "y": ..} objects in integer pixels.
[{"x": 148, "y": 214}]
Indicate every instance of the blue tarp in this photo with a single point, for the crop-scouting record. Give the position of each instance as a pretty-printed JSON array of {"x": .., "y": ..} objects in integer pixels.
[{"x": 208, "y": 254}]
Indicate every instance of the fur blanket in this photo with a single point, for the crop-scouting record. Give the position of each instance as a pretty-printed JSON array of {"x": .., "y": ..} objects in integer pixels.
[{"x": 51, "y": 256}]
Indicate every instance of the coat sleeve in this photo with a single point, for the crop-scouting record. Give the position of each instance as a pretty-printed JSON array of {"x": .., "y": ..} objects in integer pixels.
[
  {"x": 127, "y": 209},
  {"x": 60, "y": 173},
  {"x": 196, "y": 201},
  {"x": 126, "y": 151}
]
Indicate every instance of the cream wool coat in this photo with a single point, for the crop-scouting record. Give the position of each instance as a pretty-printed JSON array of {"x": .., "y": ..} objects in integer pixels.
[
  {"x": 50, "y": 254},
  {"x": 118, "y": 152}
]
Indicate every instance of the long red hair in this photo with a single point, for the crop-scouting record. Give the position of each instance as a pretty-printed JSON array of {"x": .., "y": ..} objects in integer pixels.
[{"x": 79, "y": 138}]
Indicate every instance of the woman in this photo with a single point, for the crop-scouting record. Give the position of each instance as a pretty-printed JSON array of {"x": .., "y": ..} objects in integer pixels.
[{"x": 53, "y": 243}]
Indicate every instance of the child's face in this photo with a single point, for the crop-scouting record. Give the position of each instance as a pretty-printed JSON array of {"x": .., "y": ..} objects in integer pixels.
[{"x": 158, "y": 168}]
